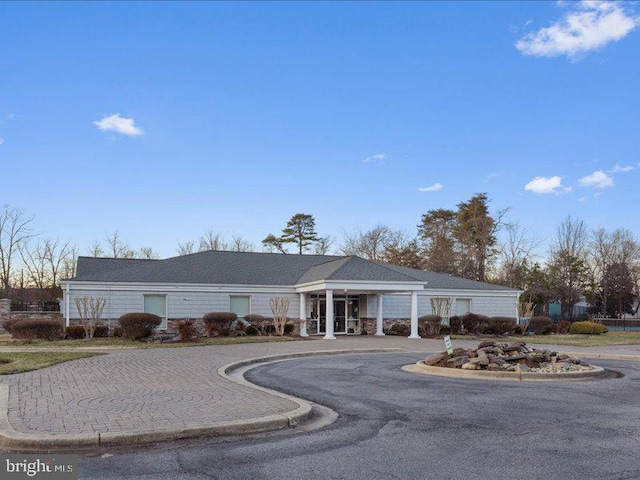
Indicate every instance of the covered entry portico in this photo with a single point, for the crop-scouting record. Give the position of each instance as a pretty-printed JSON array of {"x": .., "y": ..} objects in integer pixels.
[{"x": 334, "y": 306}]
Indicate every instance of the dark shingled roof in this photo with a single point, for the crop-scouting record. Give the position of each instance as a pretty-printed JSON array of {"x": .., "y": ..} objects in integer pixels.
[{"x": 250, "y": 268}]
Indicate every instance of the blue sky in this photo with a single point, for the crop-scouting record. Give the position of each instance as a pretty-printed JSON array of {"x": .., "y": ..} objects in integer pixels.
[{"x": 163, "y": 120}]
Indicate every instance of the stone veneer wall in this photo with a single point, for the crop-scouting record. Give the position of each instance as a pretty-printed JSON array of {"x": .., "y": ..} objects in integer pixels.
[{"x": 5, "y": 312}]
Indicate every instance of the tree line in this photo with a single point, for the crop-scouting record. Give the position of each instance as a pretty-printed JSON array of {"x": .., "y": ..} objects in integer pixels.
[{"x": 469, "y": 241}]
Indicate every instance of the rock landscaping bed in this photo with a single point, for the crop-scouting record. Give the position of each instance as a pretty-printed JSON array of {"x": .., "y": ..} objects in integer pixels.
[{"x": 508, "y": 357}]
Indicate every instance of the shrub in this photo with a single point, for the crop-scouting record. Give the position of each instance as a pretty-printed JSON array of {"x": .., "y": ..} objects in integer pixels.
[
  {"x": 518, "y": 330},
  {"x": 541, "y": 325},
  {"x": 118, "y": 332},
  {"x": 251, "y": 330},
  {"x": 137, "y": 326},
  {"x": 445, "y": 330},
  {"x": 288, "y": 328},
  {"x": 219, "y": 323},
  {"x": 28, "y": 330},
  {"x": 430, "y": 324},
  {"x": 101, "y": 331},
  {"x": 587, "y": 328},
  {"x": 474, "y": 323},
  {"x": 400, "y": 329},
  {"x": 187, "y": 331},
  {"x": 75, "y": 332},
  {"x": 502, "y": 325},
  {"x": 563, "y": 326},
  {"x": 456, "y": 324}
]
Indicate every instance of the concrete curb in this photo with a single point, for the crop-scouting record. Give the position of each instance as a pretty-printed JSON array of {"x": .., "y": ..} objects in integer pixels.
[
  {"x": 13, "y": 440},
  {"x": 421, "y": 368},
  {"x": 605, "y": 356}
]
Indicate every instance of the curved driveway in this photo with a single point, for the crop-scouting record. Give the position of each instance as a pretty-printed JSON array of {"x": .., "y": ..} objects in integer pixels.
[{"x": 397, "y": 425}]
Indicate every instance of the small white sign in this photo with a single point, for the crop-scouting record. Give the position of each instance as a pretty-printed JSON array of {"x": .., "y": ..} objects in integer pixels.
[{"x": 447, "y": 343}]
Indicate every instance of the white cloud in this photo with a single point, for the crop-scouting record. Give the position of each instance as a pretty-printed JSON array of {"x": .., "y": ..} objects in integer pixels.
[
  {"x": 1, "y": 141},
  {"x": 118, "y": 124},
  {"x": 491, "y": 176},
  {"x": 432, "y": 188},
  {"x": 617, "y": 168},
  {"x": 597, "y": 179},
  {"x": 377, "y": 158},
  {"x": 587, "y": 26},
  {"x": 546, "y": 185}
]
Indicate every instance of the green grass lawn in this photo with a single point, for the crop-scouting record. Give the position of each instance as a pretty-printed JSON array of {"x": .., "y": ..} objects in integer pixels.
[
  {"x": 19, "y": 362},
  {"x": 610, "y": 338}
]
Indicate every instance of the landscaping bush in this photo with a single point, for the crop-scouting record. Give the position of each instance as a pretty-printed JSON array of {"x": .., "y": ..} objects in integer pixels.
[
  {"x": 218, "y": 324},
  {"x": 257, "y": 324},
  {"x": 541, "y": 325},
  {"x": 251, "y": 330},
  {"x": 138, "y": 326},
  {"x": 187, "y": 331},
  {"x": 400, "y": 329},
  {"x": 288, "y": 328},
  {"x": 28, "y": 330},
  {"x": 456, "y": 324},
  {"x": 75, "y": 332},
  {"x": 563, "y": 326},
  {"x": 502, "y": 325},
  {"x": 475, "y": 324},
  {"x": 430, "y": 324},
  {"x": 101, "y": 331},
  {"x": 518, "y": 330},
  {"x": 118, "y": 332},
  {"x": 587, "y": 328},
  {"x": 445, "y": 330}
]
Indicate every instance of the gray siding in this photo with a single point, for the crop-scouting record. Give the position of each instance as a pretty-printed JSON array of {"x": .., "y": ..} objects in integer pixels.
[
  {"x": 399, "y": 305},
  {"x": 180, "y": 304}
]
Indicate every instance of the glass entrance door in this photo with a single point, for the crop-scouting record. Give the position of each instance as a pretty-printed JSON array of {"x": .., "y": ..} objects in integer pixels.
[{"x": 340, "y": 316}]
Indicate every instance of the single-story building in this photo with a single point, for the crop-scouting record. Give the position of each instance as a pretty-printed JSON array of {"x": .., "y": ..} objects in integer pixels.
[{"x": 332, "y": 294}]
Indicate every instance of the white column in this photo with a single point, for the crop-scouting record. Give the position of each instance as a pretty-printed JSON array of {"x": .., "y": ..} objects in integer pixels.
[
  {"x": 379, "y": 326},
  {"x": 329, "y": 321},
  {"x": 303, "y": 315},
  {"x": 414, "y": 315}
]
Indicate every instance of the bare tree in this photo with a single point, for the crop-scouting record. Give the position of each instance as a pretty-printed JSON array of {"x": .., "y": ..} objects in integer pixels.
[
  {"x": 15, "y": 229},
  {"x": 68, "y": 269},
  {"x": 186, "y": 248},
  {"x": 147, "y": 253},
  {"x": 322, "y": 246},
  {"x": 96, "y": 250},
  {"x": 90, "y": 310},
  {"x": 516, "y": 252},
  {"x": 212, "y": 241},
  {"x": 279, "y": 308},
  {"x": 239, "y": 244},
  {"x": 370, "y": 244},
  {"x": 117, "y": 247}
]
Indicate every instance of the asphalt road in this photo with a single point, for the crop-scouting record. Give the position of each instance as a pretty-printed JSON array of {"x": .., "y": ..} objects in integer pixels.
[{"x": 397, "y": 425}]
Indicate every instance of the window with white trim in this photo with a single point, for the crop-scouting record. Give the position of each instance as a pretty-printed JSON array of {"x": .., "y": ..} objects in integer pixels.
[
  {"x": 463, "y": 306},
  {"x": 157, "y": 304},
  {"x": 240, "y": 305}
]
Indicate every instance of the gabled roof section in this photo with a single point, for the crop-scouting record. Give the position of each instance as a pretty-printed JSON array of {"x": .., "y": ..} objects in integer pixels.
[{"x": 354, "y": 269}]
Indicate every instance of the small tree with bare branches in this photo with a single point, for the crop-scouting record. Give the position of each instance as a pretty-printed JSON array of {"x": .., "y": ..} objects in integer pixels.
[
  {"x": 279, "y": 308},
  {"x": 441, "y": 306},
  {"x": 90, "y": 311}
]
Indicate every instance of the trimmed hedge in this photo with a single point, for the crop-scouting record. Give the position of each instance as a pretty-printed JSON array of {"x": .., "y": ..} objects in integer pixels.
[
  {"x": 75, "y": 332},
  {"x": 474, "y": 323},
  {"x": 138, "y": 326},
  {"x": 587, "y": 328},
  {"x": 541, "y": 325},
  {"x": 401, "y": 329},
  {"x": 101, "y": 331},
  {"x": 28, "y": 330},
  {"x": 219, "y": 323},
  {"x": 501, "y": 325},
  {"x": 431, "y": 324}
]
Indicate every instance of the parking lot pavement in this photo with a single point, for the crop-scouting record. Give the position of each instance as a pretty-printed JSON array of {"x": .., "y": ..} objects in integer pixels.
[{"x": 159, "y": 394}]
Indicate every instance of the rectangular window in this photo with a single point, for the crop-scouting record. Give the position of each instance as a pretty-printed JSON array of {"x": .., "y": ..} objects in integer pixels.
[
  {"x": 463, "y": 306},
  {"x": 241, "y": 306},
  {"x": 157, "y": 304}
]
